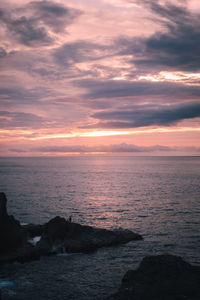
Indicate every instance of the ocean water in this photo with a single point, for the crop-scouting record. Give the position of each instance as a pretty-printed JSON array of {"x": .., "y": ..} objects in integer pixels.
[{"x": 158, "y": 197}]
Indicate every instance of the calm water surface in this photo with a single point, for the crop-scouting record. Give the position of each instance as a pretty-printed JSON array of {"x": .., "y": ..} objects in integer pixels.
[{"x": 157, "y": 197}]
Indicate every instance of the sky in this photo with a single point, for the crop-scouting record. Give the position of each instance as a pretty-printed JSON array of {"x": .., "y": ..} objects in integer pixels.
[{"x": 99, "y": 77}]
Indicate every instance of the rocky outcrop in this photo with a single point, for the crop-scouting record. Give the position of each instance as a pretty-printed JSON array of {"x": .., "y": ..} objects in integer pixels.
[
  {"x": 57, "y": 236},
  {"x": 62, "y": 236},
  {"x": 33, "y": 230},
  {"x": 163, "y": 277},
  {"x": 11, "y": 232}
]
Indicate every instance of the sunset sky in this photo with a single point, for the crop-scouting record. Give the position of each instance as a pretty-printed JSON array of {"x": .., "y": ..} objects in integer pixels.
[{"x": 100, "y": 76}]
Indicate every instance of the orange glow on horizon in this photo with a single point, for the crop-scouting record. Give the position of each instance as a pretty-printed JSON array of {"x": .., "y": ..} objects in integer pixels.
[{"x": 23, "y": 134}]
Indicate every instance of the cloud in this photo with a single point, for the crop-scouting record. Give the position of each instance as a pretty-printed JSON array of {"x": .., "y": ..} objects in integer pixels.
[
  {"x": 3, "y": 52},
  {"x": 55, "y": 15},
  {"x": 169, "y": 10},
  {"x": 12, "y": 95},
  {"x": 17, "y": 95},
  {"x": 80, "y": 51},
  {"x": 18, "y": 150},
  {"x": 32, "y": 24},
  {"x": 26, "y": 30},
  {"x": 125, "y": 88},
  {"x": 117, "y": 148},
  {"x": 140, "y": 116},
  {"x": 113, "y": 148},
  {"x": 89, "y": 76},
  {"x": 28, "y": 33},
  {"x": 177, "y": 48},
  {"x": 19, "y": 120}
]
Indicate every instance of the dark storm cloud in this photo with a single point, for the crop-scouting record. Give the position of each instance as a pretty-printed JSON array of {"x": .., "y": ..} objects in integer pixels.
[
  {"x": 178, "y": 48},
  {"x": 140, "y": 116},
  {"x": 30, "y": 24},
  {"x": 19, "y": 120},
  {"x": 122, "y": 88}
]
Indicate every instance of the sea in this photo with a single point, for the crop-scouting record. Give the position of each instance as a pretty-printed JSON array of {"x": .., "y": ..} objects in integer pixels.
[{"x": 157, "y": 197}]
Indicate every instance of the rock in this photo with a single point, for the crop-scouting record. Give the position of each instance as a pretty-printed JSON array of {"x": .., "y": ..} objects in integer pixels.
[
  {"x": 21, "y": 254},
  {"x": 33, "y": 230},
  {"x": 61, "y": 235},
  {"x": 11, "y": 233},
  {"x": 57, "y": 236},
  {"x": 53, "y": 235},
  {"x": 56, "y": 229},
  {"x": 92, "y": 238},
  {"x": 45, "y": 247},
  {"x": 163, "y": 277},
  {"x": 3, "y": 208}
]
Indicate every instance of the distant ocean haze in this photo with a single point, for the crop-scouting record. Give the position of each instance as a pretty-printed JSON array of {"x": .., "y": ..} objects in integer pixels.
[{"x": 157, "y": 197}]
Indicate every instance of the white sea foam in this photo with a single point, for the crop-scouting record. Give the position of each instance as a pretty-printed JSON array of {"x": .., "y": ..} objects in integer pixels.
[{"x": 34, "y": 240}]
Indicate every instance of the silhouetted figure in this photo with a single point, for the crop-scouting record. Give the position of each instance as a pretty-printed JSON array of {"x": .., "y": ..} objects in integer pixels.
[{"x": 70, "y": 219}]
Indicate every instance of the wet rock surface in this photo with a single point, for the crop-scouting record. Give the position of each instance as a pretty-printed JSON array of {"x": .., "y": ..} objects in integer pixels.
[{"x": 163, "y": 277}]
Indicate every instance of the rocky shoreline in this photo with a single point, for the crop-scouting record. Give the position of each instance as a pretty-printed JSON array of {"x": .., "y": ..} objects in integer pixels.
[
  {"x": 161, "y": 277},
  {"x": 56, "y": 236}
]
